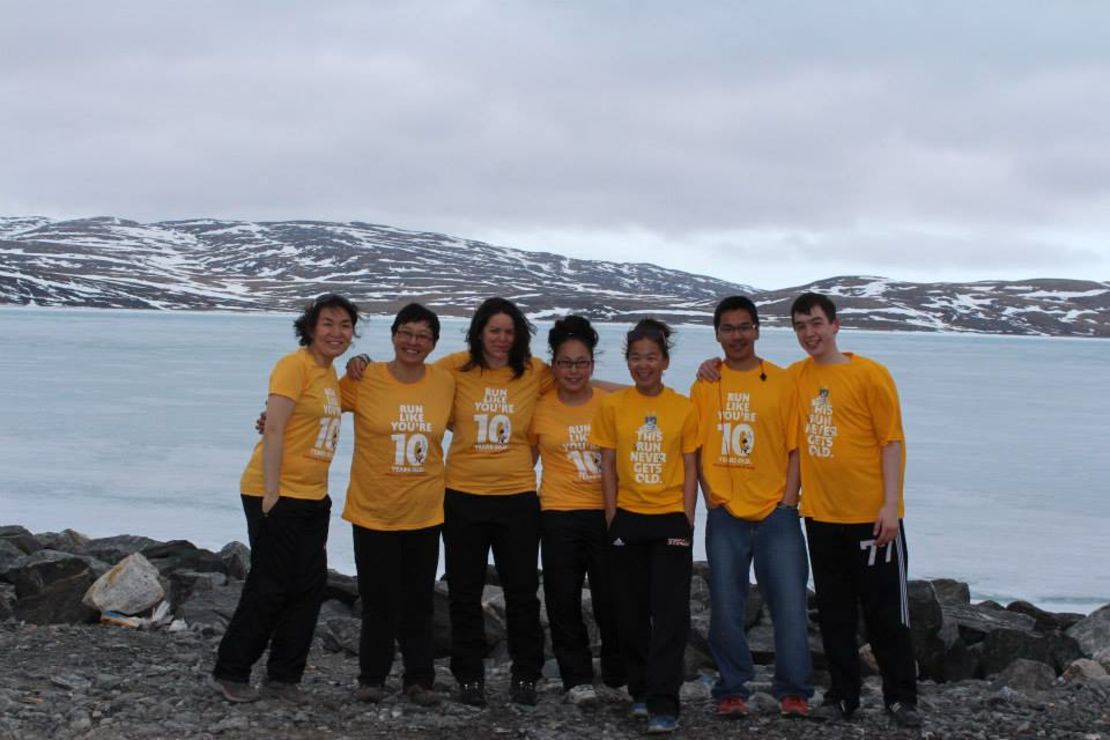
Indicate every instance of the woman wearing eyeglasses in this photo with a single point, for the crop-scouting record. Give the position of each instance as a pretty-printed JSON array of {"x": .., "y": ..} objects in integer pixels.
[
  {"x": 395, "y": 503},
  {"x": 572, "y": 520}
]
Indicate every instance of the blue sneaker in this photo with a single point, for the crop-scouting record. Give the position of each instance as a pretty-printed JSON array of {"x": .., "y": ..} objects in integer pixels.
[
  {"x": 661, "y": 724},
  {"x": 639, "y": 709}
]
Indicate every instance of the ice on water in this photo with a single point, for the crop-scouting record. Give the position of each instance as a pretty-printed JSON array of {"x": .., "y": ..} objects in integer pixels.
[{"x": 141, "y": 422}]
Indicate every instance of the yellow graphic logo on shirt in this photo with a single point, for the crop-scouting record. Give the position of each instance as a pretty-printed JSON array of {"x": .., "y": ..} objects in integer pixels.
[
  {"x": 647, "y": 456},
  {"x": 495, "y": 428},
  {"x": 324, "y": 446},
  {"x": 820, "y": 430},
  {"x": 737, "y": 432},
  {"x": 410, "y": 441},
  {"x": 586, "y": 459}
]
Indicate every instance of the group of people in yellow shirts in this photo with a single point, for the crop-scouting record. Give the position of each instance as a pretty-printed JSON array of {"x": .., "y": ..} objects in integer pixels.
[{"x": 621, "y": 467}]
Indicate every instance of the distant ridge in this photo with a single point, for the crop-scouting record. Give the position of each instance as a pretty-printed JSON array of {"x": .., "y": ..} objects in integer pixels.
[{"x": 208, "y": 264}]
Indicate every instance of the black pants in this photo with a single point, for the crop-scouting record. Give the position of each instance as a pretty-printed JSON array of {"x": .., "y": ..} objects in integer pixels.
[
  {"x": 510, "y": 525},
  {"x": 574, "y": 544},
  {"x": 282, "y": 594},
  {"x": 849, "y": 572},
  {"x": 652, "y": 562},
  {"x": 396, "y": 582}
]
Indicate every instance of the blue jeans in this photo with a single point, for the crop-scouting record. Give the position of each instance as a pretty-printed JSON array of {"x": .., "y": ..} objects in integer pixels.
[{"x": 776, "y": 545}]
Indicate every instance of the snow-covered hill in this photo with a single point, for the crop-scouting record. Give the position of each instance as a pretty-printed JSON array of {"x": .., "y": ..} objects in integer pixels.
[{"x": 237, "y": 265}]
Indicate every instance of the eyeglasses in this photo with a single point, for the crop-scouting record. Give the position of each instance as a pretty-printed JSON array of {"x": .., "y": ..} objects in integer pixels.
[
  {"x": 573, "y": 364},
  {"x": 736, "y": 329},
  {"x": 412, "y": 336}
]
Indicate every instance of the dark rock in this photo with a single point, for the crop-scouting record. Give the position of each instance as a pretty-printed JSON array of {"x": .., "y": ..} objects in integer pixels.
[
  {"x": 975, "y": 622},
  {"x": 114, "y": 549},
  {"x": 182, "y": 555},
  {"x": 701, "y": 568},
  {"x": 926, "y": 622},
  {"x": 1044, "y": 621},
  {"x": 1093, "y": 632},
  {"x": 236, "y": 558},
  {"x": 341, "y": 587},
  {"x": 211, "y": 610},
  {"x": 699, "y": 635},
  {"x": 951, "y": 591},
  {"x": 339, "y": 633},
  {"x": 1002, "y": 645},
  {"x": 21, "y": 537},
  {"x": 1025, "y": 675},
  {"x": 694, "y": 661},
  {"x": 184, "y": 583},
  {"x": 7, "y": 601},
  {"x": 9, "y": 554},
  {"x": 67, "y": 540},
  {"x": 49, "y": 587}
]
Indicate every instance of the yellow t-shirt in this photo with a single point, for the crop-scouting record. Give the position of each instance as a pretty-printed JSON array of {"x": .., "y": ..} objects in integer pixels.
[
  {"x": 848, "y": 412},
  {"x": 397, "y": 469},
  {"x": 747, "y": 428},
  {"x": 571, "y": 464},
  {"x": 311, "y": 434},
  {"x": 650, "y": 435},
  {"x": 490, "y": 453}
]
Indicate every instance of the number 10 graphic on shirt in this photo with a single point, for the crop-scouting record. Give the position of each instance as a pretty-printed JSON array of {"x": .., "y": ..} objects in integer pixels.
[{"x": 494, "y": 431}]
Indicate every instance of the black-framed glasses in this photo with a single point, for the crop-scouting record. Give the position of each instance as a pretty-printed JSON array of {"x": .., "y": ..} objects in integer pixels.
[{"x": 573, "y": 364}]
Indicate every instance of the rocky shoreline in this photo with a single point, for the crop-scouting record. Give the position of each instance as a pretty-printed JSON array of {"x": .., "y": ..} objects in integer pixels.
[{"x": 987, "y": 670}]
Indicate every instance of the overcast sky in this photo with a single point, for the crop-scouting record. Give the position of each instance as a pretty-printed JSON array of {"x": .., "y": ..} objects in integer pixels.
[{"x": 766, "y": 143}]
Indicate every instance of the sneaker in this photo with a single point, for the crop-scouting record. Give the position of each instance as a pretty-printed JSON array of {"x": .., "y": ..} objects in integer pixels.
[
  {"x": 289, "y": 692},
  {"x": 581, "y": 695},
  {"x": 794, "y": 706},
  {"x": 472, "y": 693},
  {"x": 904, "y": 715},
  {"x": 733, "y": 707},
  {"x": 235, "y": 691},
  {"x": 639, "y": 709},
  {"x": 523, "y": 692},
  {"x": 661, "y": 724},
  {"x": 833, "y": 710},
  {"x": 370, "y": 692},
  {"x": 422, "y": 696}
]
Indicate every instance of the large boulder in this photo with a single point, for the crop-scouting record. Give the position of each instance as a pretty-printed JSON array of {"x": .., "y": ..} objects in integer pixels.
[
  {"x": 68, "y": 540},
  {"x": 1093, "y": 632},
  {"x": 1025, "y": 675},
  {"x": 341, "y": 587},
  {"x": 184, "y": 583},
  {"x": 7, "y": 601},
  {"x": 951, "y": 591},
  {"x": 49, "y": 587},
  {"x": 1002, "y": 645},
  {"x": 9, "y": 554},
  {"x": 182, "y": 555},
  {"x": 1044, "y": 621},
  {"x": 131, "y": 586},
  {"x": 976, "y": 621},
  {"x": 1083, "y": 669},
  {"x": 210, "y": 611},
  {"x": 338, "y": 628},
  {"x": 21, "y": 537},
  {"x": 236, "y": 558},
  {"x": 116, "y": 548}
]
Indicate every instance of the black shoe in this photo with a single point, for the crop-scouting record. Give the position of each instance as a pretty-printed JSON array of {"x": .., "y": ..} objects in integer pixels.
[
  {"x": 904, "y": 715},
  {"x": 523, "y": 692},
  {"x": 472, "y": 693},
  {"x": 834, "y": 709}
]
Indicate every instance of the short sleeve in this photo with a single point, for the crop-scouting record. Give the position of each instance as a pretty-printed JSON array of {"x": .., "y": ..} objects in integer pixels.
[
  {"x": 697, "y": 397},
  {"x": 287, "y": 379},
  {"x": 543, "y": 374},
  {"x": 603, "y": 430},
  {"x": 882, "y": 401}
]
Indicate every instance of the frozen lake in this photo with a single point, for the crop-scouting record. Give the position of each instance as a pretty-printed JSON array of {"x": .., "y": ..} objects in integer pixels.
[{"x": 141, "y": 422}]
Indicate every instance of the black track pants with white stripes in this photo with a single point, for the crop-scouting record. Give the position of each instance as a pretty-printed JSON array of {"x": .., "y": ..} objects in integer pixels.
[{"x": 850, "y": 573}]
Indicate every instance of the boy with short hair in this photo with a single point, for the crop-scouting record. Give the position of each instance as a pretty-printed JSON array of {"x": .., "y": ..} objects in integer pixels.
[{"x": 852, "y": 451}]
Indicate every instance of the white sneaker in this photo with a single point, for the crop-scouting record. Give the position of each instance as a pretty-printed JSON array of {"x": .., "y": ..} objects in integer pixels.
[{"x": 582, "y": 695}]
